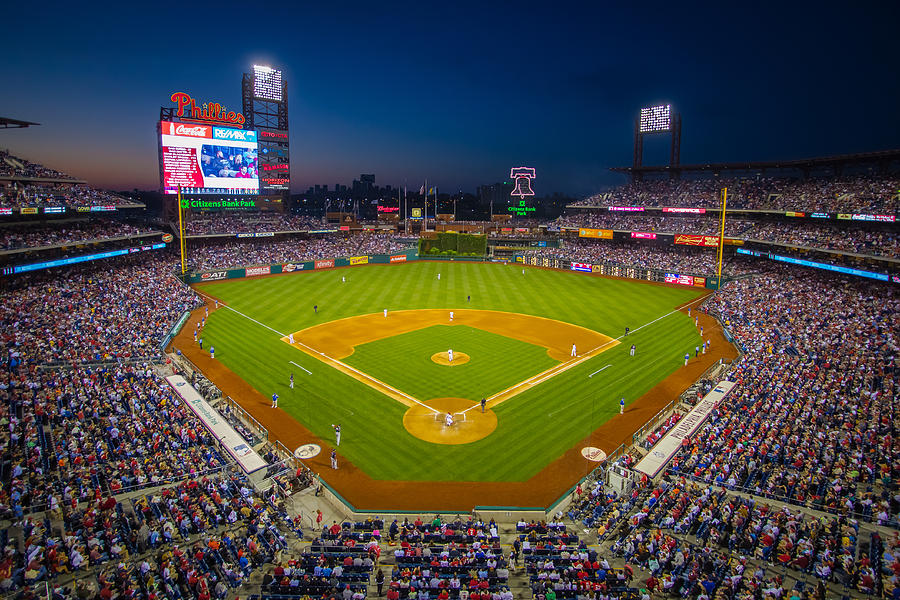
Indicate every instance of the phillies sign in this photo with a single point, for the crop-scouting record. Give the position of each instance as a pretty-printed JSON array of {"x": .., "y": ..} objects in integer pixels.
[{"x": 208, "y": 111}]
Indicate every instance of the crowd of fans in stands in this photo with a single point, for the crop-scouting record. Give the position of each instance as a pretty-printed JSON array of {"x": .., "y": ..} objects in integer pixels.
[
  {"x": 93, "y": 314},
  {"x": 858, "y": 193},
  {"x": 858, "y": 239},
  {"x": 218, "y": 223},
  {"x": 37, "y": 236},
  {"x": 695, "y": 261},
  {"x": 245, "y": 252}
]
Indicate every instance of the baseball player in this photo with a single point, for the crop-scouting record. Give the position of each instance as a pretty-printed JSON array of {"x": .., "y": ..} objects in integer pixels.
[
  {"x": 385, "y": 313},
  {"x": 574, "y": 351},
  {"x": 316, "y": 308},
  {"x": 689, "y": 311},
  {"x": 333, "y": 458},
  {"x": 468, "y": 298},
  {"x": 291, "y": 338},
  {"x": 274, "y": 400},
  {"x": 632, "y": 349},
  {"x": 439, "y": 276},
  {"x": 483, "y": 402},
  {"x": 448, "y": 420},
  {"x": 451, "y": 315},
  {"x": 207, "y": 310},
  {"x": 696, "y": 321},
  {"x": 212, "y": 351},
  {"x": 337, "y": 433},
  {"x": 626, "y": 331},
  {"x": 450, "y": 355},
  {"x": 696, "y": 351},
  {"x": 292, "y": 381},
  {"x": 701, "y": 331},
  {"x": 622, "y": 406},
  {"x": 343, "y": 279},
  {"x": 217, "y": 304},
  {"x": 687, "y": 357},
  {"x": 703, "y": 348},
  {"x": 201, "y": 343},
  {"x": 195, "y": 336}
]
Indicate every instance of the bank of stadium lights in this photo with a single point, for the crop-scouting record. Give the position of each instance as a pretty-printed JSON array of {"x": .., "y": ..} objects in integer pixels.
[
  {"x": 267, "y": 83},
  {"x": 656, "y": 118}
]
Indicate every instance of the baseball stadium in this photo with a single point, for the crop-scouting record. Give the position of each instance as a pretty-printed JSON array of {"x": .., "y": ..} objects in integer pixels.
[{"x": 683, "y": 385}]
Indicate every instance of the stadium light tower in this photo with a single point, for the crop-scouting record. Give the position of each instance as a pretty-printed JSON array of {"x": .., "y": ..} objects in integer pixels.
[{"x": 654, "y": 120}]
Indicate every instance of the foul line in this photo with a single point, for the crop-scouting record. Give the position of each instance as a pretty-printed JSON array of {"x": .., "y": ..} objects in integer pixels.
[
  {"x": 325, "y": 358},
  {"x": 301, "y": 366},
  {"x": 554, "y": 371},
  {"x": 597, "y": 371}
]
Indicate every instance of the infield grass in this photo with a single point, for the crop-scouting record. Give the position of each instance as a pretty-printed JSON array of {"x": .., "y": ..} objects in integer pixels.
[
  {"x": 533, "y": 428},
  {"x": 495, "y": 362}
]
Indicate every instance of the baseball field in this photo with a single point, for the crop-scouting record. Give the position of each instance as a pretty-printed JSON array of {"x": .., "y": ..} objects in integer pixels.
[{"x": 387, "y": 381}]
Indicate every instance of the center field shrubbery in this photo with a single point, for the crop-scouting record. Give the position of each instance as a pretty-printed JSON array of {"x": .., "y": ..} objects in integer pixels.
[{"x": 452, "y": 243}]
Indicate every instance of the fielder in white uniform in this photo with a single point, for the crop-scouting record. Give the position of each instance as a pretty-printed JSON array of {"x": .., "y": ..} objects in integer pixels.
[
  {"x": 448, "y": 420},
  {"x": 450, "y": 355},
  {"x": 574, "y": 352},
  {"x": 385, "y": 313},
  {"x": 451, "y": 315},
  {"x": 337, "y": 433}
]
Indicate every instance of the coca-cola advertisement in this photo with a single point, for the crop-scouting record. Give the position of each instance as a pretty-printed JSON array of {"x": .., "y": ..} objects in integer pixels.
[{"x": 206, "y": 159}]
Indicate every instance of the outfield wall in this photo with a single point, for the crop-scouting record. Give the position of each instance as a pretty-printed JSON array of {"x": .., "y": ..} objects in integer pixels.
[{"x": 619, "y": 270}]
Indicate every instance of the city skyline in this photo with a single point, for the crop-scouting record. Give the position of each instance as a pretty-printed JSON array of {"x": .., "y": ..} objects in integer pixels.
[{"x": 458, "y": 95}]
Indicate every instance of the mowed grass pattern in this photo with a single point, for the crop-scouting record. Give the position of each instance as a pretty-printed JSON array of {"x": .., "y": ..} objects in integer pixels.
[
  {"x": 495, "y": 362},
  {"x": 534, "y": 428}
]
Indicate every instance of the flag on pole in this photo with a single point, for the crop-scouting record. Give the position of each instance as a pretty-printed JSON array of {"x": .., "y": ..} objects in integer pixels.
[
  {"x": 422, "y": 189},
  {"x": 431, "y": 191}
]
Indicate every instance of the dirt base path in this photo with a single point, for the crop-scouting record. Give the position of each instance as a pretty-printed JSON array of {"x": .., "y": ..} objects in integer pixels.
[{"x": 542, "y": 490}]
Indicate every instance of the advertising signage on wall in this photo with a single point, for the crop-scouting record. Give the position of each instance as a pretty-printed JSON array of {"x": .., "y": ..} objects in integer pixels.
[
  {"x": 691, "y": 211},
  {"x": 586, "y": 267},
  {"x": 603, "y": 234},
  {"x": 626, "y": 208},
  {"x": 640, "y": 235},
  {"x": 205, "y": 159}
]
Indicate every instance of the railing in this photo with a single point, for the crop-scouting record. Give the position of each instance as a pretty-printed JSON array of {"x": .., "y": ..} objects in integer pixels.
[
  {"x": 653, "y": 422},
  {"x": 249, "y": 419}
]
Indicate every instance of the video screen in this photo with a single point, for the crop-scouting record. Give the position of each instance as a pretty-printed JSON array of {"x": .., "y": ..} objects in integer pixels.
[{"x": 205, "y": 159}]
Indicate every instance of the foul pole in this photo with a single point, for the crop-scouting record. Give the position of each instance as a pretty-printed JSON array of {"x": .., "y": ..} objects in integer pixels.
[{"x": 721, "y": 252}]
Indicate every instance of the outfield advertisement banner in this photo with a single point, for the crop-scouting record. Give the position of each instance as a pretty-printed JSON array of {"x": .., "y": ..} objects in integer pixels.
[
  {"x": 603, "y": 234},
  {"x": 254, "y": 271},
  {"x": 359, "y": 260},
  {"x": 398, "y": 258},
  {"x": 233, "y": 443},
  {"x": 324, "y": 264},
  {"x": 660, "y": 455},
  {"x": 586, "y": 267},
  {"x": 213, "y": 275}
]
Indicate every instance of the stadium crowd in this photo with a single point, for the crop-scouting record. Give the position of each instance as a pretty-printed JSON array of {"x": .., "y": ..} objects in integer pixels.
[
  {"x": 218, "y": 223},
  {"x": 858, "y": 193},
  {"x": 14, "y": 166},
  {"x": 817, "y": 385},
  {"x": 694, "y": 261},
  {"x": 256, "y": 252},
  {"x": 870, "y": 241},
  {"x": 36, "y": 236}
]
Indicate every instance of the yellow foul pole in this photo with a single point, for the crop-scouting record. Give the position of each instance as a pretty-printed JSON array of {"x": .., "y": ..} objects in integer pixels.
[
  {"x": 721, "y": 253},
  {"x": 181, "y": 231}
]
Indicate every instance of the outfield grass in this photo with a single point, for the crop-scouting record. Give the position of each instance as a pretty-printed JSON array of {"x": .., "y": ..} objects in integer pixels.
[
  {"x": 495, "y": 362},
  {"x": 534, "y": 428}
]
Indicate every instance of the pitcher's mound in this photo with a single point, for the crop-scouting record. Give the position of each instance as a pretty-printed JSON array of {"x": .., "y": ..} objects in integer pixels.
[
  {"x": 443, "y": 358},
  {"x": 471, "y": 426}
]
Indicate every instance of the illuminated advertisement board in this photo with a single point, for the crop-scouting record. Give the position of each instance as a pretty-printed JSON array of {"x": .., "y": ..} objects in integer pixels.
[
  {"x": 691, "y": 211},
  {"x": 626, "y": 208},
  {"x": 603, "y": 234},
  {"x": 679, "y": 279},
  {"x": 640, "y": 235},
  {"x": 586, "y": 267},
  {"x": 817, "y": 265},
  {"x": 206, "y": 159}
]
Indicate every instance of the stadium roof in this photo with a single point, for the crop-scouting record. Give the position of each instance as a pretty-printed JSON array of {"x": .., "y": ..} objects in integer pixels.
[
  {"x": 841, "y": 160},
  {"x": 6, "y": 123}
]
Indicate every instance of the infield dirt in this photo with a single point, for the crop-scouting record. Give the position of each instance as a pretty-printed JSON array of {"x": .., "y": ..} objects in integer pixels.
[{"x": 542, "y": 490}]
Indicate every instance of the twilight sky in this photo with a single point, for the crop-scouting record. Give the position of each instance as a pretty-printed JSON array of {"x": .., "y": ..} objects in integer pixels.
[{"x": 456, "y": 92}]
